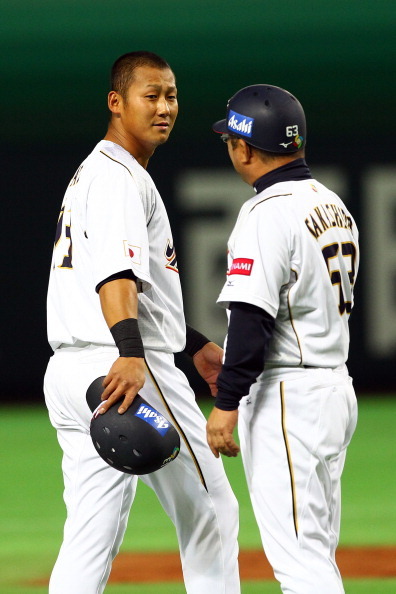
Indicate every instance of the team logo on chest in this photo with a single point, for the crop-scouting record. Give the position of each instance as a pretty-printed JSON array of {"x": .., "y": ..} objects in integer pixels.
[
  {"x": 241, "y": 266},
  {"x": 170, "y": 255}
]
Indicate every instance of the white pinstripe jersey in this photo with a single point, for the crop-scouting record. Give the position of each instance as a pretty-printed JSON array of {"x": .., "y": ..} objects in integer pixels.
[
  {"x": 294, "y": 252},
  {"x": 113, "y": 219}
]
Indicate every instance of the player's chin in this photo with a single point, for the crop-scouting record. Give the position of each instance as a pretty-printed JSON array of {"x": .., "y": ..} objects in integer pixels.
[
  {"x": 162, "y": 135},
  {"x": 162, "y": 140}
]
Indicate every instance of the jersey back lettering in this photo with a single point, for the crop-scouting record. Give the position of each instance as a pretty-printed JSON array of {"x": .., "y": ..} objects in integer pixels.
[{"x": 294, "y": 252}]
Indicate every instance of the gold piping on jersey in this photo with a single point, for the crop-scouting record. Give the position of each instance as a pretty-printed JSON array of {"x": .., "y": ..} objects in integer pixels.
[
  {"x": 269, "y": 198},
  {"x": 291, "y": 317},
  {"x": 180, "y": 430},
  {"x": 115, "y": 161},
  {"x": 131, "y": 174},
  {"x": 289, "y": 460}
]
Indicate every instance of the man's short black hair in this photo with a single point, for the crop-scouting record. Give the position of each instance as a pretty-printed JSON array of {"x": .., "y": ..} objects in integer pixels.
[{"x": 123, "y": 69}]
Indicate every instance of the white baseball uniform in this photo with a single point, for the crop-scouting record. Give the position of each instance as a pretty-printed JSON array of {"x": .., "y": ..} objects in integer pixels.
[
  {"x": 113, "y": 219},
  {"x": 294, "y": 253}
]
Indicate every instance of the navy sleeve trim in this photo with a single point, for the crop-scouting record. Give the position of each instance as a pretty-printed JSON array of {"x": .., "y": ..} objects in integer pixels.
[
  {"x": 123, "y": 274},
  {"x": 249, "y": 332}
]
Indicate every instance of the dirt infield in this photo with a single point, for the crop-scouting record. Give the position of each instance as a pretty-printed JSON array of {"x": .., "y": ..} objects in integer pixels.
[
  {"x": 354, "y": 562},
  {"x": 162, "y": 567}
]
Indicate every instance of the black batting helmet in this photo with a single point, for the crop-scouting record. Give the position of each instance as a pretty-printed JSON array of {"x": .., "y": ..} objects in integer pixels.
[
  {"x": 267, "y": 117},
  {"x": 139, "y": 441}
]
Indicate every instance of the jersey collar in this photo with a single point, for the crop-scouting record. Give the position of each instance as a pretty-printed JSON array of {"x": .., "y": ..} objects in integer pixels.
[{"x": 296, "y": 170}]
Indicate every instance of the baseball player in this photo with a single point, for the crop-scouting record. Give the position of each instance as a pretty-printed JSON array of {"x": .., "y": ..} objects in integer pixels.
[
  {"x": 115, "y": 310},
  {"x": 292, "y": 265}
]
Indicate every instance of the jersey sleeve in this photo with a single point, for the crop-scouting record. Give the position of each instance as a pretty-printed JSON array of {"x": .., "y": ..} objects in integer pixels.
[
  {"x": 117, "y": 229},
  {"x": 259, "y": 260}
]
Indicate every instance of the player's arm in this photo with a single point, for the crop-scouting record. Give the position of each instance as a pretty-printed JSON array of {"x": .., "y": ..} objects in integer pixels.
[
  {"x": 249, "y": 332},
  {"x": 119, "y": 302},
  {"x": 206, "y": 355}
]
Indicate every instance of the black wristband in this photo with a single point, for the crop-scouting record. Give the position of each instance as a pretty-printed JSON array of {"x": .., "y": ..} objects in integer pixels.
[
  {"x": 194, "y": 341},
  {"x": 127, "y": 338}
]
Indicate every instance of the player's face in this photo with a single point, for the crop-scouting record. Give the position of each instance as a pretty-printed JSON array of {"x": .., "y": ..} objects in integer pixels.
[{"x": 149, "y": 111}]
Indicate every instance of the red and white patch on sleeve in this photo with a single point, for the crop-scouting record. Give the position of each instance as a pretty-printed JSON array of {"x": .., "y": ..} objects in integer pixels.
[
  {"x": 133, "y": 252},
  {"x": 241, "y": 266}
]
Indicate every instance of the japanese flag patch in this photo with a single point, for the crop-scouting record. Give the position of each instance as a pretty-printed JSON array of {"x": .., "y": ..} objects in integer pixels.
[{"x": 133, "y": 252}]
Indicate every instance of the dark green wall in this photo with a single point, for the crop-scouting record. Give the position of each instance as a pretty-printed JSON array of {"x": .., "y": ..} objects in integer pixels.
[{"x": 337, "y": 57}]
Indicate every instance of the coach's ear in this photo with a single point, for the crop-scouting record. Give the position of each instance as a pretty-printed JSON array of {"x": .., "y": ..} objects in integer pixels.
[
  {"x": 114, "y": 102},
  {"x": 246, "y": 151}
]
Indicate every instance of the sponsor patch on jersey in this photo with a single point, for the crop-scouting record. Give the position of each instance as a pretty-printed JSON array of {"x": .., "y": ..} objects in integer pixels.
[
  {"x": 241, "y": 266},
  {"x": 240, "y": 123},
  {"x": 153, "y": 418},
  {"x": 133, "y": 252}
]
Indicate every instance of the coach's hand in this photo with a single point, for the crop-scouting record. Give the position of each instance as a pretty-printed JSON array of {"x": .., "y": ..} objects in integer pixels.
[
  {"x": 219, "y": 432},
  {"x": 125, "y": 378},
  {"x": 208, "y": 361}
]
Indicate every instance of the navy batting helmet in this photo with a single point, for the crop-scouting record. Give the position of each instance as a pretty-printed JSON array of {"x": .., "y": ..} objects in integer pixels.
[
  {"x": 139, "y": 441},
  {"x": 266, "y": 117}
]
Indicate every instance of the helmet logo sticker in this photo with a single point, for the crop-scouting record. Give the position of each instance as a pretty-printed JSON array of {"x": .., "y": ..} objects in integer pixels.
[
  {"x": 173, "y": 455},
  {"x": 297, "y": 140},
  {"x": 240, "y": 123},
  {"x": 153, "y": 418}
]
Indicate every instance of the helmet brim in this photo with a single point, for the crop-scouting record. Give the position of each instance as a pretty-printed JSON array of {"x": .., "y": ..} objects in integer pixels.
[{"x": 220, "y": 127}]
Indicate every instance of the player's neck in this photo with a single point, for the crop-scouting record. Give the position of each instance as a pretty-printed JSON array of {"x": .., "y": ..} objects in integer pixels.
[{"x": 140, "y": 153}]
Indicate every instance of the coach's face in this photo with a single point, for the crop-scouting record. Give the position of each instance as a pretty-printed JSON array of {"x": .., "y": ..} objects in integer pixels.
[
  {"x": 145, "y": 117},
  {"x": 242, "y": 158}
]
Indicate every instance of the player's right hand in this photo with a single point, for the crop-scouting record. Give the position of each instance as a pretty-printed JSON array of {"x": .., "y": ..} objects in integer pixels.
[{"x": 124, "y": 380}]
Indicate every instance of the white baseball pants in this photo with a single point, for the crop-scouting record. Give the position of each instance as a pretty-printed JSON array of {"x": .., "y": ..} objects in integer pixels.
[
  {"x": 193, "y": 489},
  {"x": 294, "y": 429}
]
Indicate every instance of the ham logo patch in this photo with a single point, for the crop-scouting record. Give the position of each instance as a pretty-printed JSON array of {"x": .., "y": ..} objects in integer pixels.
[{"x": 241, "y": 266}]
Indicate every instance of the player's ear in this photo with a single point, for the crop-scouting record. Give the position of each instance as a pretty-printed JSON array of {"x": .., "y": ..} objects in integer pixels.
[
  {"x": 114, "y": 101},
  {"x": 246, "y": 151}
]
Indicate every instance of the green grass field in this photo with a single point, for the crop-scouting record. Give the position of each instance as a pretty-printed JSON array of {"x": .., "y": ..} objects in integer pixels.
[{"x": 32, "y": 511}]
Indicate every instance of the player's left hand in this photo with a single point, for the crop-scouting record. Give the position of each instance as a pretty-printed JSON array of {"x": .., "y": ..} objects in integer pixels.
[
  {"x": 219, "y": 432},
  {"x": 208, "y": 362}
]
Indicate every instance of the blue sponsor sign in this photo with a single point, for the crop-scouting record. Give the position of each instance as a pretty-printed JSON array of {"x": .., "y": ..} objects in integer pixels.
[{"x": 240, "y": 124}]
